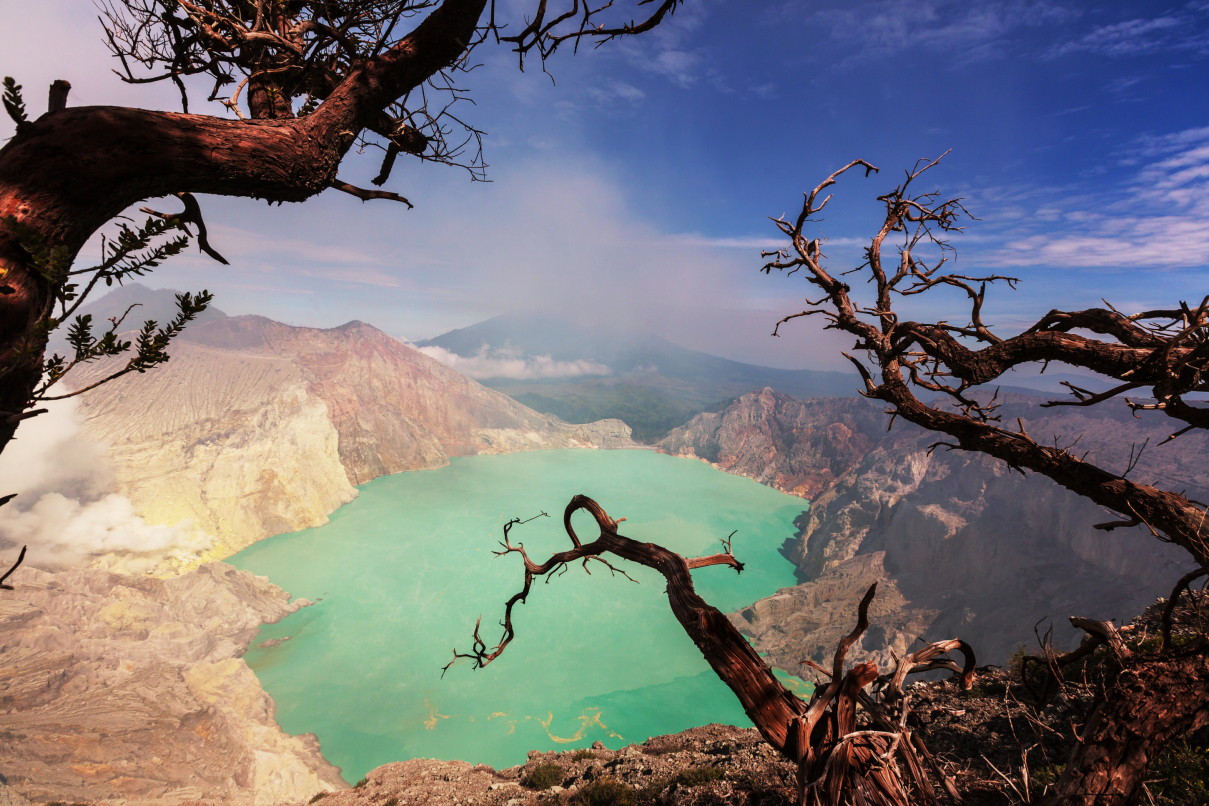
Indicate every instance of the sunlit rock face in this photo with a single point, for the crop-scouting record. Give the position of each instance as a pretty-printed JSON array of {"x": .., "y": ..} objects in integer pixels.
[
  {"x": 797, "y": 446},
  {"x": 130, "y": 687},
  {"x": 256, "y": 428},
  {"x": 960, "y": 545}
]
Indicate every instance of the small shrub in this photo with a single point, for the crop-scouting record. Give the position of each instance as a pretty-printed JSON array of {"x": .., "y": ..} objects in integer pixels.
[
  {"x": 974, "y": 693},
  {"x": 360, "y": 784},
  {"x": 1180, "y": 774},
  {"x": 1017, "y": 660},
  {"x": 391, "y": 802},
  {"x": 318, "y": 796},
  {"x": 583, "y": 754},
  {"x": 1047, "y": 776},
  {"x": 543, "y": 776},
  {"x": 649, "y": 794},
  {"x": 699, "y": 776},
  {"x": 605, "y": 792}
]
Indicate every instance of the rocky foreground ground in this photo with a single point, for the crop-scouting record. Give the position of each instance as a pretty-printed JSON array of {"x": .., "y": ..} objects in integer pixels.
[
  {"x": 986, "y": 738},
  {"x": 981, "y": 737},
  {"x": 121, "y": 687}
]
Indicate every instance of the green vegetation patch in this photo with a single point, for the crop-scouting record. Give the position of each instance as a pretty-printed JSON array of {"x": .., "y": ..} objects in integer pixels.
[
  {"x": 318, "y": 796},
  {"x": 583, "y": 754},
  {"x": 544, "y": 776},
  {"x": 606, "y": 792},
  {"x": 1180, "y": 774},
  {"x": 649, "y": 794},
  {"x": 698, "y": 776}
]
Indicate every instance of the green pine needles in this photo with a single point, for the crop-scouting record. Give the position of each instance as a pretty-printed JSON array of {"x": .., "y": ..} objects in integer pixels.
[
  {"x": 14, "y": 104},
  {"x": 131, "y": 252}
]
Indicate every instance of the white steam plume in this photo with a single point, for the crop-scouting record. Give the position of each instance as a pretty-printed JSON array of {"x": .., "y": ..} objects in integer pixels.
[{"x": 65, "y": 510}]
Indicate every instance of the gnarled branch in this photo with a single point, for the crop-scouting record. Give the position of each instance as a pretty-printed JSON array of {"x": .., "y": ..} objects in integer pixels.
[{"x": 837, "y": 749}]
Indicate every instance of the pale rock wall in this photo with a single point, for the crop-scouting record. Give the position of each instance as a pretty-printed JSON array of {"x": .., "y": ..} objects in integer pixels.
[
  {"x": 234, "y": 441},
  {"x": 132, "y": 688}
]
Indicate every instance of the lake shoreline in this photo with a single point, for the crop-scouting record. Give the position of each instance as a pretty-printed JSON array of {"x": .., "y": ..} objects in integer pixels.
[{"x": 545, "y": 726}]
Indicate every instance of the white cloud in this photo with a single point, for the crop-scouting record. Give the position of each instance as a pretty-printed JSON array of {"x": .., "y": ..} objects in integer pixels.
[
  {"x": 1171, "y": 32},
  {"x": 967, "y": 31},
  {"x": 665, "y": 50},
  {"x": 64, "y": 532},
  {"x": 612, "y": 92},
  {"x": 509, "y": 363},
  {"x": 64, "y": 511},
  {"x": 1159, "y": 218},
  {"x": 765, "y": 92}
]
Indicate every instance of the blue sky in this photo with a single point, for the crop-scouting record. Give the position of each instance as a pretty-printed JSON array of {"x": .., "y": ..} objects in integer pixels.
[{"x": 637, "y": 187}]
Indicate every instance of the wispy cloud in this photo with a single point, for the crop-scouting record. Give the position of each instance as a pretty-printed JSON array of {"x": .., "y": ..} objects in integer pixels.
[
  {"x": 765, "y": 92},
  {"x": 667, "y": 50},
  {"x": 1157, "y": 218},
  {"x": 614, "y": 92},
  {"x": 968, "y": 31},
  {"x": 1182, "y": 31},
  {"x": 488, "y": 362}
]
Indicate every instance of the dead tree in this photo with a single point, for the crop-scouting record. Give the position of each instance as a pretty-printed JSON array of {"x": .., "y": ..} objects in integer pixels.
[
  {"x": 844, "y": 755},
  {"x": 1163, "y": 353},
  {"x": 304, "y": 82}
]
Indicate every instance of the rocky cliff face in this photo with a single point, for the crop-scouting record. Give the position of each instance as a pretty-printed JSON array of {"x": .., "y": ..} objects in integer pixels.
[
  {"x": 256, "y": 428},
  {"x": 797, "y": 446},
  {"x": 132, "y": 688},
  {"x": 959, "y": 545}
]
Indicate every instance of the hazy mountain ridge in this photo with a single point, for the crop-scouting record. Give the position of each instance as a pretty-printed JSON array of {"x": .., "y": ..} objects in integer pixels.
[
  {"x": 673, "y": 382},
  {"x": 139, "y": 304},
  {"x": 960, "y": 545}
]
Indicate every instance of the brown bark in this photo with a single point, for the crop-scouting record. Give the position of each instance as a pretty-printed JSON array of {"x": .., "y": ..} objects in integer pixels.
[
  {"x": 768, "y": 704},
  {"x": 1155, "y": 700},
  {"x": 838, "y": 762},
  {"x": 1173, "y": 514},
  {"x": 1166, "y": 351},
  {"x": 66, "y": 174}
]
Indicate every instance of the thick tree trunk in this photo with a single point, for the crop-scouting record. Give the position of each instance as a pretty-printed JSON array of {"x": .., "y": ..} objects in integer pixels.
[
  {"x": 837, "y": 761},
  {"x": 768, "y": 704},
  {"x": 66, "y": 174},
  {"x": 1155, "y": 700}
]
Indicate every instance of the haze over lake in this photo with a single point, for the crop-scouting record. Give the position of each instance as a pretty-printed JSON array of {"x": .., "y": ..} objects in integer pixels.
[{"x": 405, "y": 569}]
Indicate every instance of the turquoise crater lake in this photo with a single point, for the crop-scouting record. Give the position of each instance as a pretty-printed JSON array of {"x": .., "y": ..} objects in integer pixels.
[{"x": 405, "y": 569}]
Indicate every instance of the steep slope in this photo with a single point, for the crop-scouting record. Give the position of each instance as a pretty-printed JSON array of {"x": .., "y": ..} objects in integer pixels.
[
  {"x": 235, "y": 441},
  {"x": 132, "y": 688},
  {"x": 958, "y": 543},
  {"x": 797, "y": 446},
  {"x": 256, "y": 428}
]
